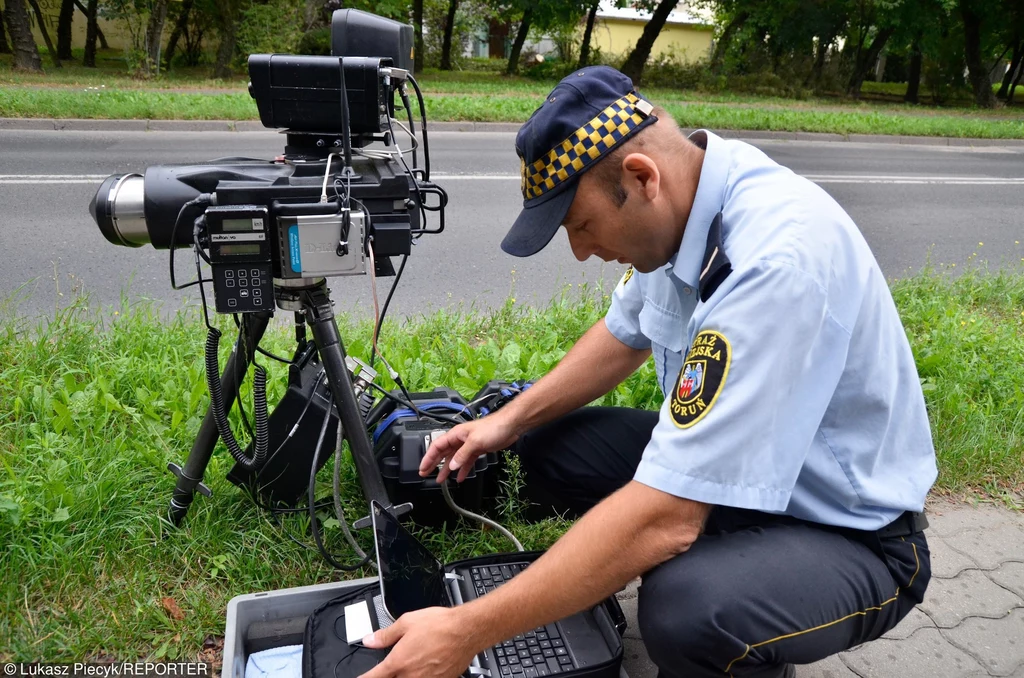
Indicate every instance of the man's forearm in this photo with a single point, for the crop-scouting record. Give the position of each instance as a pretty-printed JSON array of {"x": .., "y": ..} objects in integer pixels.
[
  {"x": 625, "y": 535},
  {"x": 596, "y": 364}
]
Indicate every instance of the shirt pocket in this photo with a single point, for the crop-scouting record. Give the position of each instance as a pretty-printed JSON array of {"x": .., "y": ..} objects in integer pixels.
[{"x": 666, "y": 331}]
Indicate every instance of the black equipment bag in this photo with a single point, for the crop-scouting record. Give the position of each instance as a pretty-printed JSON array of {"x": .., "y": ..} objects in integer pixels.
[{"x": 327, "y": 654}]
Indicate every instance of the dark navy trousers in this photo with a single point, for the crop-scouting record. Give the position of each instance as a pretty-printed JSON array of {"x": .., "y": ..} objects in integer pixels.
[{"x": 756, "y": 591}]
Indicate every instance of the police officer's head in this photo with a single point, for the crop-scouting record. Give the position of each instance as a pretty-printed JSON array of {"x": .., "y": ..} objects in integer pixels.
[{"x": 595, "y": 158}]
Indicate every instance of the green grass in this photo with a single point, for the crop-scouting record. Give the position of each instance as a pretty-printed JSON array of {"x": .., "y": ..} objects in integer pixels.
[
  {"x": 124, "y": 104},
  {"x": 98, "y": 404},
  {"x": 106, "y": 92}
]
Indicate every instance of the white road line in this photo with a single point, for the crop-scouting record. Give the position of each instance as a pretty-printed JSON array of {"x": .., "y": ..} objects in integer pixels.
[{"x": 41, "y": 179}]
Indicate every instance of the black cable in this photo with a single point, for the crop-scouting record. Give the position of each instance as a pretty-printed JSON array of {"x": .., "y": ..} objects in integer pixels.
[
  {"x": 287, "y": 533},
  {"x": 201, "y": 199},
  {"x": 239, "y": 375},
  {"x": 422, "y": 413},
  {"x": 302, "y": 415},
  {"x": 423, "y": 125},
  {"x": 384, "y": 311},
  {"x": 278, "y": 358},
  {"x": 412, "y": 123},
  {"x": 313, "y": 524},
  {"x": 281, "y": 510}
]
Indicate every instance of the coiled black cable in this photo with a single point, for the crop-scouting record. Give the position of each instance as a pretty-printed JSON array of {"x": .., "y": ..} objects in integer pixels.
[{"x": 220, "y": 416}]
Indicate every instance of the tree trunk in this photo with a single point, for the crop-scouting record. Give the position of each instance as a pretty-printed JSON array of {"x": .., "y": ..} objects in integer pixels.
[
  {"x": 46, "y": 34},
  {"x": 420, "y": 55},
  {"x": 914, "y": 71},
  {"x": 67, "y": 15},
  {"x": 226, "y": 51},
  {"x": 446, "y": 43},
  {"x": 179, "y": 28},
  {"x": 866, "y": 61},
  {"x": 637, "y": 59},
  {"x": 718, "y": 57},
  {"x": 154, "y": 34},
  {"x": 1016, "y": 81},
  {"x": 5, "y": 48},
  {"x": 587, "y": 34},
  {"x": 1015, "y": 59},
  {"x": 91, "y": 29},
  {"x": 26, "y": 56},
  {"x": 976, "y": 70},
  {"x": 818, "y": 67},
  {"x": 517, "y": 47},
  {"x": 99, "y": 33}
]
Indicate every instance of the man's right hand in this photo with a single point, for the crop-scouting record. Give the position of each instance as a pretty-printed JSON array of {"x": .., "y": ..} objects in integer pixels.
[{"x": 463, "y": 444}]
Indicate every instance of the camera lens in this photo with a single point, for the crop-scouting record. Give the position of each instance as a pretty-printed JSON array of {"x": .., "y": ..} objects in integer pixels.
[{"x": 118, "y": 210}]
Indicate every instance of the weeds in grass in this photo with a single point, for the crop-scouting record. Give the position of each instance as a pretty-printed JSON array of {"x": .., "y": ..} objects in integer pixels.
[{"x": 99, "y": 404}]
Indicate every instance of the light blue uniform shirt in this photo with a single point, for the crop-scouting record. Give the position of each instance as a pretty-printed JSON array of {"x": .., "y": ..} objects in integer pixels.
[{"x": 809, "y": 401}]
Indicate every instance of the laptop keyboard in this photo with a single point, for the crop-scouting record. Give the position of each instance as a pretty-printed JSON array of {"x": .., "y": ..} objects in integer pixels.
[{"x": 540, "y": 652}]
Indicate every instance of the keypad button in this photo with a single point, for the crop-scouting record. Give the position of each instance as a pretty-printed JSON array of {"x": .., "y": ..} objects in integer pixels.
[
  {"x": 232, "y": 303},
  {"x": 243, "y": 282},
  {"x": 549, "y": 652},
  {"x": 243, "y": 293},
  {"x": 561, "y": 652},
  {"x": 255, "y": 273},
  {"x": 257, "y": 292},
  {"x": 229, "y": 274},
  {"x": 230, "y": 282}
]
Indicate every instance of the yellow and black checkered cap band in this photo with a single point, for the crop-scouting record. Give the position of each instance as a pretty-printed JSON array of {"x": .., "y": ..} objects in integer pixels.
[{"x": 585, "y": 146}]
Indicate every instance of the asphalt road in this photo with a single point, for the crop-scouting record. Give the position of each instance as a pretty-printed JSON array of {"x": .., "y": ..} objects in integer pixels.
[{"x": 911, "y": 202}]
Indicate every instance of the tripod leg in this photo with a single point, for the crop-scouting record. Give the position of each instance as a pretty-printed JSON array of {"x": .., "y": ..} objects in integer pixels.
[
  {"x": 320, "y": 317},
  {"x": 190, "y": 478}
]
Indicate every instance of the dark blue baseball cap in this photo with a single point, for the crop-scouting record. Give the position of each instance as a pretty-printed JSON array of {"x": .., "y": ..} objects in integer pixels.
[{"x": 586, "y": 116}]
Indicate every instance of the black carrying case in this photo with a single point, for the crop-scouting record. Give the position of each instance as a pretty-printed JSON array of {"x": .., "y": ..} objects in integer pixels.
[{"x": 326, "y": 654}]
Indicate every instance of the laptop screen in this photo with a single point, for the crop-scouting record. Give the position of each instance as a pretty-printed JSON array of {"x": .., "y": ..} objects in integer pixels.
[{"x": 411, "y": 578}]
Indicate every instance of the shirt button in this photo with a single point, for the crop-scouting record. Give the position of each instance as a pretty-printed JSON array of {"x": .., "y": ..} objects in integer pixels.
[{"x": 687, "y": 290}]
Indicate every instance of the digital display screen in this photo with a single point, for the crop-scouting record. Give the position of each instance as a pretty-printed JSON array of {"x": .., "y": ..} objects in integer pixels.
[
  {"x": 237, "y": 225},
  {"x": 411, "y": 577},
  {"x": 240, "y": 249}
]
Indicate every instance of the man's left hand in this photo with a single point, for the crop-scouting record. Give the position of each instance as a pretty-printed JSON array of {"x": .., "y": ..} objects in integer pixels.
[{"x": 428, "y": 643}]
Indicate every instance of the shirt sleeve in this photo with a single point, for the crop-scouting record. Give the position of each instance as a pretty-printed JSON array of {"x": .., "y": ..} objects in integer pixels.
[
  {"x": 623, "y": 317},
  {"x": 764, "y": 362}
]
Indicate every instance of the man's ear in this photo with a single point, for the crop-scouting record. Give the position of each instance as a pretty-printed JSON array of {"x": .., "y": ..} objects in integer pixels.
[{"x": 640, "y": 173}]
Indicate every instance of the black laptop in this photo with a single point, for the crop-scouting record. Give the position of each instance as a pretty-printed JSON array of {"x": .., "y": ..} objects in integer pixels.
[{"x": 412, "y": 578}]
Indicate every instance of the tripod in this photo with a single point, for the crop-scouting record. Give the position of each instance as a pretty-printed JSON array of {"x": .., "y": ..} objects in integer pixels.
[{"x": 312, "y": 299}]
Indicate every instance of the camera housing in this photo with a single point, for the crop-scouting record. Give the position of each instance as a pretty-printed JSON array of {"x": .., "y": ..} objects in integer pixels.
[{"x": 341, "y": 200}]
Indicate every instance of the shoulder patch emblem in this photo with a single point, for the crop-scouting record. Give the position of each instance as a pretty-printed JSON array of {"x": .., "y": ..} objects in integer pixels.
[
  {"x": 701, "y": 379},
  {"x": 627, "y": 275}
]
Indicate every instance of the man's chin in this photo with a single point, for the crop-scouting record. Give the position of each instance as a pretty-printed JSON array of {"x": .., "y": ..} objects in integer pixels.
[{"x": 642, "y": 267}]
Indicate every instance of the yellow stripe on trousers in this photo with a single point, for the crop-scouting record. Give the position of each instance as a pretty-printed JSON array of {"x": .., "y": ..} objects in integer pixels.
[{"x": 861, "y": 613}]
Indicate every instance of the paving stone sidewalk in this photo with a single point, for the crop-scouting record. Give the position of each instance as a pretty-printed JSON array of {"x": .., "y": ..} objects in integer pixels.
[{"x": 971, "y": 623}]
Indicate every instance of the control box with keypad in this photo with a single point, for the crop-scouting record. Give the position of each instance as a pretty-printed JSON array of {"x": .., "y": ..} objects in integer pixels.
[{"x": 240, "y": 258}]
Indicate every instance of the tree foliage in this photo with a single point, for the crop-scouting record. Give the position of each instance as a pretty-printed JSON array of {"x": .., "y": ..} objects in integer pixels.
[{"x": 838, "y": 44}]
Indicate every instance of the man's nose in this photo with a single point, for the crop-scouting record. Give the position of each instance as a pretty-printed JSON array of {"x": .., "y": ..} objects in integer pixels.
[{"x": 580, "y": 250}]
